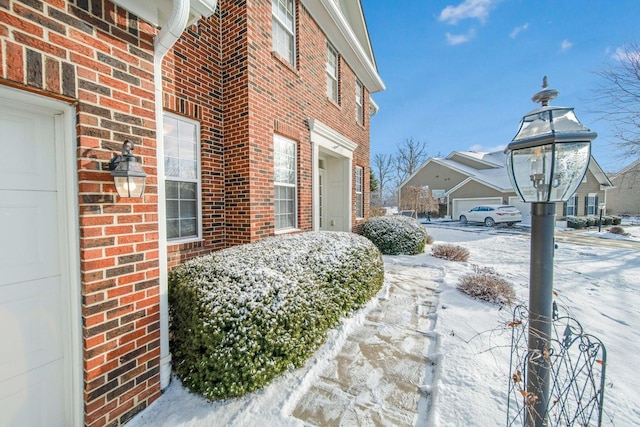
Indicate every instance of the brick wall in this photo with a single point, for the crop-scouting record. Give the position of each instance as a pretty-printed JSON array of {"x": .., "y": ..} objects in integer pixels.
[
  {"x": 192, "y": 87},
  {"x": 98, "y": 56}
]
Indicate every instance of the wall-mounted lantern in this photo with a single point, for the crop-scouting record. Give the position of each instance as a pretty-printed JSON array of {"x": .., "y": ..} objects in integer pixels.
[{"x": 127, "y": 173}]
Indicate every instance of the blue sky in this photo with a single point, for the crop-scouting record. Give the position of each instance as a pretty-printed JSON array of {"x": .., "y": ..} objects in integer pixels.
[{"x": 460, "y": 74}]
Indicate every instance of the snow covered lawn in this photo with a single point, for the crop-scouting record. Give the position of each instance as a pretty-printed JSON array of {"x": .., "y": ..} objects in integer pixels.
[{"x": 600, "y": 286}]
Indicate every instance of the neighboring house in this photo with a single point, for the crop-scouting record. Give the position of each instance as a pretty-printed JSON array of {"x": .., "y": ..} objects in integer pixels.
[
  {"x": 624, "y": 199},
  {"x": 471, "y": 178},
  {"x": 250, "y": 118}
]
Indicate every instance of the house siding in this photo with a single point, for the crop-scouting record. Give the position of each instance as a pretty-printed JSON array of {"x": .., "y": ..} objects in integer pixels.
[
  {"x": 589, "y": 185},
  {"x": 624, "y": 199},
  {"x": 436, "y": 176},
  {"x": 100, "y": 57}
]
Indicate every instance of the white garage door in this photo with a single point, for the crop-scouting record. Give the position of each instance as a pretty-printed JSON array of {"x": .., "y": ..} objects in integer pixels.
[
  {"x": 459, "y": 205},
  {"x": 523, "y": 207},
  {"x": 34, "y": 311}
]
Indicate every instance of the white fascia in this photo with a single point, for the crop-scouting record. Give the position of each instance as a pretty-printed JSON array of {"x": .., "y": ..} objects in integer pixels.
[
  {"x": 331, "y": 20},
  {"x": 331, "y": 139}
]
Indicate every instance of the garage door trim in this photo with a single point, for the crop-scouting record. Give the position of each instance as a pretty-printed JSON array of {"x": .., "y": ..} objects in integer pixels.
[{"x": 65, "y": 160}]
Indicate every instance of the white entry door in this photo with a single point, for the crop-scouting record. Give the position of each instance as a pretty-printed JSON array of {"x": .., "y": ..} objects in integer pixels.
[{"x": 35, "y": 328}]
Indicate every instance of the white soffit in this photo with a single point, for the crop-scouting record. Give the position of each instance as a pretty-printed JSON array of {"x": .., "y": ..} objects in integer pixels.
[
  {"x": 339, "y": 32},
  {"x": 157, "y": 12}
]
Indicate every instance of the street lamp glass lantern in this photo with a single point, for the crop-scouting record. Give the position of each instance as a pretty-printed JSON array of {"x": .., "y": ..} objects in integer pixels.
[{"x": 549, "y": 156}]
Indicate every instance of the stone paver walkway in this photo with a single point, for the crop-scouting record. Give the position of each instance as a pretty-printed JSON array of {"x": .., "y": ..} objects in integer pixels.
[{"x": 381, "y": 376}]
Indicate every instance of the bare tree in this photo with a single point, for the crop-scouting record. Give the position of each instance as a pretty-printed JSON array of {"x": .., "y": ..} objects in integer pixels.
[
  {"x": 383, "y": 169},
  {"x": 618, "y": 99},
  {"x": 411, "y": 154},
  {"x": 419, "y": 200}
]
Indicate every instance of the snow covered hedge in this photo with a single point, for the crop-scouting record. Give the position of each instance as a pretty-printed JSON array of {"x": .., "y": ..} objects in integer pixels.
[
  {"x": 241, "y": 316},
  {"x": 396, "y": 235}
]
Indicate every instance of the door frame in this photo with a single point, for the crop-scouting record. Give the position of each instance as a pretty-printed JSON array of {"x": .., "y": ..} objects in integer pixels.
[{"x": 68, "y": 243}]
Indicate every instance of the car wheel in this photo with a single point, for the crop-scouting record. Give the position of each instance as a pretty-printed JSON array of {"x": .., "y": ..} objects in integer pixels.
[
  {"x": 489, "y": 222},
  {"x": 511, "y": 224},
  {"x": 463, "y": 219}
]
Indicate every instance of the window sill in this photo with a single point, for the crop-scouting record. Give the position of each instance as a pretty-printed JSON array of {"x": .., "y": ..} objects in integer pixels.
[
  {"x": 284, "y": 62},
  {"x": 178, "y": 243},
  {"x": 287, "y": 231},
  {"x": 334, "y": 103}
]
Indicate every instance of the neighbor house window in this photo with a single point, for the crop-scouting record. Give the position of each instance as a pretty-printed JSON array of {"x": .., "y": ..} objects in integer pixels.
[
  {"x": 332, "y": 73},
  {"x": 283, "y": 33},
  {"x": 182, "y": 177},
  {"x": 571, "y": 206},
  {"x": 591, "y": 202},
  {"x": 359, "y": 192},
  {"x": 285, "y": 161},
  {"x": 359, "y": 97}
]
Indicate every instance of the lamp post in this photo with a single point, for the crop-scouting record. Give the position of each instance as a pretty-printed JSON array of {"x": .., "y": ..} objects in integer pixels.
[{"x": 546, "y": 160}]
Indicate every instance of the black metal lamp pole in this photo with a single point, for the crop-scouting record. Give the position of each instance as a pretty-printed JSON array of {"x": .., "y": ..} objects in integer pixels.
[{"x": 540, "y": 310}]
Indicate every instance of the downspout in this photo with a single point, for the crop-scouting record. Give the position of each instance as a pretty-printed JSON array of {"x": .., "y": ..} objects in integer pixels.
[{"x": 165, "y": 40}]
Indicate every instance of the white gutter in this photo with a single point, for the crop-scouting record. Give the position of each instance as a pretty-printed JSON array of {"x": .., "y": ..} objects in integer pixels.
[{"x": 165, "y": 40}]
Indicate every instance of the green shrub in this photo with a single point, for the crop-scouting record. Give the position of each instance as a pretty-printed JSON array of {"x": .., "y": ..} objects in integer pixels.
[
  {"x": 616, "y": 220},
  {"x": 241, "y": 316},
  {"x": 592, "y": 221},
  {"x": 487, "y": 285},
  {"x": 450, "y": 251},
  {"x": 576, "y": 222},
  {"x": 607, "y": 220},
  {"x": 396, "y": 235}
]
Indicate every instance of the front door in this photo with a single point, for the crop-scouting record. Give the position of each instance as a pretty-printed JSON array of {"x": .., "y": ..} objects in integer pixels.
[{"x": 34, "y": 307}]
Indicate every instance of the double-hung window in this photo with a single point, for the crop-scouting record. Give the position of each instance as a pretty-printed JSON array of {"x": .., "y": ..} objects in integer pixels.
[
  {"x": 286, "y": 187},
  {"x": 359, "y": 192},
  {"x": 332, "y": 73},
  {"x": 283, "y": 32},
  {"x": 591, "y": 204},
  {"x": 182, "y": 177},
  {"x": 359, "y": 102},
  {"x": 571, "y": 206}
]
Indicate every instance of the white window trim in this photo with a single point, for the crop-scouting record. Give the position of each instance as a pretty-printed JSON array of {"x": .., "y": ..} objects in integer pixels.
[
  {"x": 573, "y": 206},
  {"x": 361, "y": 192},
  {"x": 290, "y": 31},
  {"x": 198, "y": 181},
  {"x": 591, "y": 197},
  {"x": 334, "y": 77},
  {"x": 359, "y": 102},
  {"x": 286, "y": 184}
]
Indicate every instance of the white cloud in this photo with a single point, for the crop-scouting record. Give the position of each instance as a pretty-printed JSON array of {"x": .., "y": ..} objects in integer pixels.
[
  {"x": 623, "y": 54},
  {"x": 454, "y": 39},
  {"x": 468, "y": 9},
  {"x": 565, "y": 45},
  {"x": 518, "y": 30}
]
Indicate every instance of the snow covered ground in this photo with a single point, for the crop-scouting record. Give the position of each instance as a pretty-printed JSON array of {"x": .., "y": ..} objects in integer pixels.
[{"x": 599, "y": 286}]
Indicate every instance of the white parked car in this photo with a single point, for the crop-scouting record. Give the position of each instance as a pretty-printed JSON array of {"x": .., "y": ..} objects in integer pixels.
[{"x": 491, "y": 215}]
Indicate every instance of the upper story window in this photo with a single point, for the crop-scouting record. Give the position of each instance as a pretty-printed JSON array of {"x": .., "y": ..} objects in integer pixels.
[
  {"x": 359, "y": 102},
  {"x": 182, "y": 178},
  {"x": 286, "y": 187},
  {"x": 332, "y": 73},
  {"x": 283, "y": 29},
  {"x": 359, "y": 192}
]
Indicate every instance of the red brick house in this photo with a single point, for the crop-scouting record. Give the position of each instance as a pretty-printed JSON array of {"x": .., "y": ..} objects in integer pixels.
[{"x": 249, "y": 117}]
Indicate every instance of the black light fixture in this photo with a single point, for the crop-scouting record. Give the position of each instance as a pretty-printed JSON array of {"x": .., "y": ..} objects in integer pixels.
[{"x": 127, "y": 173}]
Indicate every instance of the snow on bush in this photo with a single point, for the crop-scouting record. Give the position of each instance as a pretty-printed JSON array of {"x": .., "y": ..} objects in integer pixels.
[
  {"x": 487, "y": 285},
  {"x": 396, "y": 235},
  {"x": 241, "y": 316}
]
